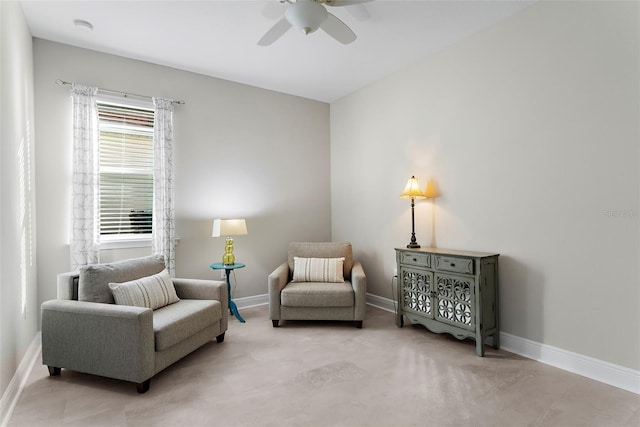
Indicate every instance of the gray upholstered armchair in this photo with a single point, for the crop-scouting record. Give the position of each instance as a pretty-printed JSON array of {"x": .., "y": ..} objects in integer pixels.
[
  {"x": 308, "y": 287},
  {"x": 86, "y": 330}
]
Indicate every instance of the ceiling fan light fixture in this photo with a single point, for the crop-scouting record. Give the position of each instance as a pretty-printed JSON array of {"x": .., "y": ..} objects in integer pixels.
[{"x": 306, "y": 15}]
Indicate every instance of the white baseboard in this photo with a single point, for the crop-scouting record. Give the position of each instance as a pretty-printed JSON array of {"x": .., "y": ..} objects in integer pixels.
[
  {"x": 599, "y": 370},
  {"x": 12, "y": 394},
  {"x": 382, "y": 303},
  {"x": 595, "y": 369},
  {"x": 253, "y": 301},
  {"x": 257, "y": 300}
]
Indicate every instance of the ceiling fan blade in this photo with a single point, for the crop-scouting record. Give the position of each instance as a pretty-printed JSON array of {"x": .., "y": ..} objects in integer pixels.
[
  {"x": 277, "y": 31},
  {"x": 357, "y": 9},
  {"x": 338, "y": 29},
  {"x": 344, "y": 2}
]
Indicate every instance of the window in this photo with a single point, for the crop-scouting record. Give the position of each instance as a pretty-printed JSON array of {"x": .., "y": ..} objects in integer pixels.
[{"x": 126, "y": 171}]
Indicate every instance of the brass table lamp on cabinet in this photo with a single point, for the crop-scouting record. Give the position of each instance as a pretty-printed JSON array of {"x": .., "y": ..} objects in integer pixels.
[{"x": 412, "y": 191}]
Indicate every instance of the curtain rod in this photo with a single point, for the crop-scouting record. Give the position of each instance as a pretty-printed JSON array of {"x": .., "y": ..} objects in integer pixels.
[{"x": 125, "y": 94}]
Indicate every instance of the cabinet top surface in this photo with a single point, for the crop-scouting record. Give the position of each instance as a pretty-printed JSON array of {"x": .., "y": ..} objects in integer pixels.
[{"x": 453, "y": 252}]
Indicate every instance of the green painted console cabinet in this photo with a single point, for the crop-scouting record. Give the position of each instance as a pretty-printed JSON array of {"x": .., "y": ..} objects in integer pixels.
[{"x": 450, "y": 291}]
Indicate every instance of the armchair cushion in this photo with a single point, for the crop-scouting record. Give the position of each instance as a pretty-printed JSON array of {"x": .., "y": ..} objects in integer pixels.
[
  {"x": 152, "y": 292},
  {"x": 93, "y": 282},
  {"x": 177, "y": 322},
  {"x": 314, "y": 294},
  {"x": 322, "y": 250},
  {"x": 318, "y": 270}
]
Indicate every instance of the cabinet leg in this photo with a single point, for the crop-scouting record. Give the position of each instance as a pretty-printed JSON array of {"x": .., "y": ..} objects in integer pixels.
[
  {"x": 496, "y": 341},
  {"x": 399, "y": 320},
  {"x": 480, "y": 345}
]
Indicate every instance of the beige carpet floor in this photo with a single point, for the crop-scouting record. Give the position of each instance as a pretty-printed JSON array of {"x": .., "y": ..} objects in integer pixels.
[{"x": 332, "y": 374}]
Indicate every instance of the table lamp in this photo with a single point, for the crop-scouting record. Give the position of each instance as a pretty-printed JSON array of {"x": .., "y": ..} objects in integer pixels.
[
  {"x": 228, "y": 227},
  {"x": 412, "y": 191}
]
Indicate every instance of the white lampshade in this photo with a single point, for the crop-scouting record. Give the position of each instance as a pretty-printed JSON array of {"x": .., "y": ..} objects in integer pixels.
[
  {"x": 306, "y": 15},
  {"x": 412, "y": 190},
  {"x": 228, "y": 227}
]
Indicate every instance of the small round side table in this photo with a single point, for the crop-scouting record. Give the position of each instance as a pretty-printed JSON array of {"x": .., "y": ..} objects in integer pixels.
[{"x": 228, "y": 268}]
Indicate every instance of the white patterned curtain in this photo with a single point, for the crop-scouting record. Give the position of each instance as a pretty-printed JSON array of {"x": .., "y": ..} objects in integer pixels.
[
  {"x": 163, "y": 187},
  {"x": 85, "y": 219}
]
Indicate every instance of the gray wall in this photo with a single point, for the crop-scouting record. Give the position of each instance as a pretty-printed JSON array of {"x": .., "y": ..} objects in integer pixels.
[
  {"x": 239, "y": 152},
  {"x": 530, "y": 129},
  {"x": 18, "y": 290}
]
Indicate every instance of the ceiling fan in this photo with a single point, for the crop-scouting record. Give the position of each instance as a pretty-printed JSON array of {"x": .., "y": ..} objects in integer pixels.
[{"x": 308, "y": 16}]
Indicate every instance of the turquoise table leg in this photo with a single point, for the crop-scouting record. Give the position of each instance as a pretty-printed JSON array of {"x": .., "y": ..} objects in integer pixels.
[{"x": 233, "y": 308}]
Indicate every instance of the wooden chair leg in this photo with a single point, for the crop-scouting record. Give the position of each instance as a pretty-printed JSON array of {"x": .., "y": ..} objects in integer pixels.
[
  {"x": 53, "y": 371},
  {"x": 220, "y": 337},
  {"x": 276, "y": 323},
  {"x": 143, "y": 387}
]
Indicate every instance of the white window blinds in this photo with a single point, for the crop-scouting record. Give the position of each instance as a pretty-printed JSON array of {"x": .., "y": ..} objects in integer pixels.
[{"x": 126, "y": 170}]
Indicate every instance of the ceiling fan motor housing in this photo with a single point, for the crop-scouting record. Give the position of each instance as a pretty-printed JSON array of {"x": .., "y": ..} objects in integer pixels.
[{"x": 306, "y": 15}]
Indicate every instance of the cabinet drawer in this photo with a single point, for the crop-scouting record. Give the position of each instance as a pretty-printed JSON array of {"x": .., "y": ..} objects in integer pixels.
[
  {"x": 453, "y": 264},
  {"x": 414, "y": 258}
]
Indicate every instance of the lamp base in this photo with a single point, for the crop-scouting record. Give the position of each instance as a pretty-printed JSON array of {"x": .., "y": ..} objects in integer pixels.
[
  {"x": 228, "y": 258},
  {"x": 413, "y": 245}
]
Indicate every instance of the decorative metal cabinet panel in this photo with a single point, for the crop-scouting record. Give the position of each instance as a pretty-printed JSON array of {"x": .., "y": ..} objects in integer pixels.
[{"x": 450, "y": 291}]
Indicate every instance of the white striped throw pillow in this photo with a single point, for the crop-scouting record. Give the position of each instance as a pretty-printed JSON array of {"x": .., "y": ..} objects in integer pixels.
[
  {"x": 152, "y": 291},
  {"x": 318, "y": 270}
]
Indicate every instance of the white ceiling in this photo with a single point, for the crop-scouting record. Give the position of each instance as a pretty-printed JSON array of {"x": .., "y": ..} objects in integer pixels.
[{"x": 218, "y": 38}]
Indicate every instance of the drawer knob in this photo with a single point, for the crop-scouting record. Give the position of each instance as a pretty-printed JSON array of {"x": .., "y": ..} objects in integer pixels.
[
  {"x": 415, "y": 260},
  {"x": 453, "y": 265}
]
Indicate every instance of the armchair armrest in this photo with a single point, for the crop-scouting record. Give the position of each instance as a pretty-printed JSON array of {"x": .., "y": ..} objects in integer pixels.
[
  {"x": 201, "y": 289},
  {"x": 277, "y": 280},
  {"x": 111, "y": 340},
  {"x": 67, "y": 285},
  {"x": 205, "y": 289},
  {"x": 359, "y": 283}
]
